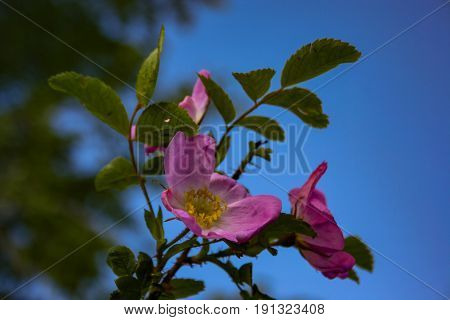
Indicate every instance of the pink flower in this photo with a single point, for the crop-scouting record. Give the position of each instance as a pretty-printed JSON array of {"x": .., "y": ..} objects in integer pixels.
[
  {"x": 211, "y": 205},
  {"x": 325, "y": 251},
  {"x": 197, "y": 104}
]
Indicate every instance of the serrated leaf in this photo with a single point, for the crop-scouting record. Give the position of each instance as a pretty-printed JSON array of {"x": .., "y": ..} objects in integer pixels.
[
  {"x": 352, "y": 275},
  {"x": 203, "y": 251},
  {"x": 118, "y": 174},
  {"x": 178, "y": 248},
  {"x": 130, "y": 288},
  {"x": 121, "y": 260},
  {"x": 148, "y": 74},
  {"x": 229, "y": 268},
  {"x": 316, "y": 58},
  {"x": 301, "y": 102},
  {"x": 155, "y": 226},
  {"x": 285, "y": 225},
  {"x": 159, "y": 122},
  {"x": 183, "y": 288},
  {"x": 144, "y": 269},
  {"x": 255, "y": 83},
  {"x": 359, "y": 251},
  {"x": 220, "y": 99},
  {"x": 100, "y": 99},
  {"x": 154, "y": 166},
  {"x": 267, "y": 127},
  {"x": 246, "y": 273},
  {"x": 283, "y": 230},
  {"x": 159, "y": 218},
  {"x": 222, "y": 151}
]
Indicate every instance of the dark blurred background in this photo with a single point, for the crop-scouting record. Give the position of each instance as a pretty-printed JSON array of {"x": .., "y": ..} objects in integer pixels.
[{"x": 48, "y": 205}]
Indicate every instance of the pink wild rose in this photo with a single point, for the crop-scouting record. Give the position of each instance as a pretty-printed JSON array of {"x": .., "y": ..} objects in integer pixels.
[
  {"x": 211, "y": 205},
  {"x": 196, "y": 106},
  {"x": 325, "y": 251}
]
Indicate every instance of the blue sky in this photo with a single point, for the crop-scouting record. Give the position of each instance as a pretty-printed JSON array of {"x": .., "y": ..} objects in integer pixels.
[{"x": 387, "y": 145}]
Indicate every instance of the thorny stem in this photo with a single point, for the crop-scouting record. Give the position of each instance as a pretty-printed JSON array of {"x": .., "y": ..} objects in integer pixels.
[{"x": 171, "y": 272}]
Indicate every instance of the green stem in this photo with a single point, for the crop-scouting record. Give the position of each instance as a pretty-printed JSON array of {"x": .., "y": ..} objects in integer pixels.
[
  {"x": 177, "y": 238},
  {"x": 248, "y": 158},
  {"x": 133, "y": 161},
  {"x": 246, "y": 113},
  {"x": 181, "y": 260}
]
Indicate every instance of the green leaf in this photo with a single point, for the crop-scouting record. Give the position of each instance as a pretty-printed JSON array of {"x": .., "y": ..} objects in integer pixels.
[
  {"x": 183, "y": 288},
  {"x": 283, "y": 230},
  {"x": 316, "y": 58},
  {"x": 255, "y": 149},
  {"x": 148, "y": 74},
  {"x": 178, "y": 248},
  {"x": 222, "y": 151},
  {"x": 154, "y": 166},
  {"x": 118, "y": 174},
  {"x": 159, "y": 219},
  {"x": 244, "y": 295},
  {"x": 264, "y": 153},
  {"x": 100, "y": 99},
  {"x": 115, "y": 295},
  {"x": 303, "y": 103},
  {"x": 130, "y": 288},
  {"x": 267, "y": 127},
  {"x": 255, "y": 83},
  {"x": 221, "y": 100},
  {"x": 203, "y": 251},
  {"x": 229, "y": 268},
  {"x": 257, "y": 295},
  {"x": 246, "y": 273},
  {"x": 284, "y": 226},
  {"x": 352, "y": 275},
  {"x": 144, "y": 269},
  {"x": 121, "y": 260},
  {"x": 360, "y": 252},
  {"x": 155, "y": 226},
  {"x": 159, "y": 122}
]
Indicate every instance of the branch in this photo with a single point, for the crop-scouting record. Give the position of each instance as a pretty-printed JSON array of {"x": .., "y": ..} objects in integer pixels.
[
  {"x": 246, "y": 113},
  {"x": 171, "y": 273},
  {"x": 177, "y": 238},
  {"x": 248, "y": 158}
]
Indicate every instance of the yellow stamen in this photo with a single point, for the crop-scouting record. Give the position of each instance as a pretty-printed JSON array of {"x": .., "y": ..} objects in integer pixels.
[{"x": 204, "y": 206}]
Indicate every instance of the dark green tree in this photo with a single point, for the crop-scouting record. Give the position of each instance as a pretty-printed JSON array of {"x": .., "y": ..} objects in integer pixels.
[{"x": 47, "y": 207}]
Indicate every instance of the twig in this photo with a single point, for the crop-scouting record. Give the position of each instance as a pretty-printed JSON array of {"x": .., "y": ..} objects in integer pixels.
[
  {"x": 133, "y": 160},
  {"x": 246, "y": 113},
  {"x": 177, "y": 238},
  {"x": 171, "y": 272},
  {"x": 239, "y": 171}
]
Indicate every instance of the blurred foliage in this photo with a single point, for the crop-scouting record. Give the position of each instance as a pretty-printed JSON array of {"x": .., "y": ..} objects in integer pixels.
[{"x": 47, "y": 208}]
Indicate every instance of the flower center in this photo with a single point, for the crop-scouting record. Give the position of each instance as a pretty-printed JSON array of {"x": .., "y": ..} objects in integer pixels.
[{"x": 204, "y": 206}]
